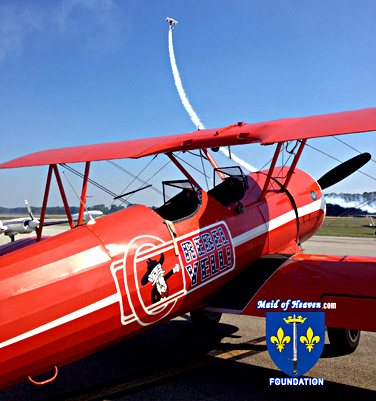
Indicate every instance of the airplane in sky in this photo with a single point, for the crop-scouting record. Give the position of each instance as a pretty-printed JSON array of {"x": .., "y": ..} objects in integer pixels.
[
  {"x": 224, "y": 250},
  {"x": 172, "y": 22}
]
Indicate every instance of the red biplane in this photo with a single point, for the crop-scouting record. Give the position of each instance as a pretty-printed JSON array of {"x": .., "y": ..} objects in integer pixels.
[{"x": 64, "y": 297}]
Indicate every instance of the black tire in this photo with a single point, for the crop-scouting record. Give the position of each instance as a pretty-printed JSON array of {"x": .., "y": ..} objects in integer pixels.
[
  {"x": 344, "y": 340},
  {"x": 204, "y": 320}
]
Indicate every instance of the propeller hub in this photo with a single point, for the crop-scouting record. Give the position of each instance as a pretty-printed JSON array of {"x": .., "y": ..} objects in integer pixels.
[{"x": 33, "y": 223}]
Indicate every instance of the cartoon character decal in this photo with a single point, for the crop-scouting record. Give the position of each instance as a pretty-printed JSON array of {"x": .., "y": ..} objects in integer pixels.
[
  {"x": 151, "y": 280},
  {"x": 141, "y": 280},
  {"x": 156, "y": 276}
]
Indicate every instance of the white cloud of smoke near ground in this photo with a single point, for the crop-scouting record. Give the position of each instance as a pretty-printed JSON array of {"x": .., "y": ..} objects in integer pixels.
[
  {"x": 365, "y": 202},
  {"x": 196, "y": 121}
]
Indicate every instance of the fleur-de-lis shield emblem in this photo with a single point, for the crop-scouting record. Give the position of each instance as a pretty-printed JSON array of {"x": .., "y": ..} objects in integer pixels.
[
  {"x": 295, "y": 340},
  {"x": 280, "y": 340},
  {"x": 309, "y": 339}
]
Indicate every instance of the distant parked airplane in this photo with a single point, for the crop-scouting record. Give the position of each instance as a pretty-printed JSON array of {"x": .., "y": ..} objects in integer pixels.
[{"x": 26, "y": 225}]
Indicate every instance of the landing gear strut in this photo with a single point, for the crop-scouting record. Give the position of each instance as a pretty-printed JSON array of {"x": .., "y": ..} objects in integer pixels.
[{"x": 205, "y": 320}]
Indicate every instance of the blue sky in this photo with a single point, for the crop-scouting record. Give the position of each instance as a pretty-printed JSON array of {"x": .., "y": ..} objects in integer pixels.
[{"x": 76, "y": 72}]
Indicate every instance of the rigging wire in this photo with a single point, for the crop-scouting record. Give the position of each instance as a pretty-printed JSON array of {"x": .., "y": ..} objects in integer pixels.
[
  {"x": 268, "y": 162},
  {"x": 361, "y": 204},
  {"x": 135, "y": 177},
  {"x": 292, "y": 151},
  {"x": 190, "y": 165},
  {"x": 356, "y": 150},
  {"x": 96, "y": 184},
  {"x": 283, "y": 150},
  {"x": 200, "y": 155},
  {"x": 332, "y": 157},
  {"x": 152, "y": 176}
]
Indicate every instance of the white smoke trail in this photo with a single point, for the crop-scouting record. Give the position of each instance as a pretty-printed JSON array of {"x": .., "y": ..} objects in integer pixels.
[
  {"x": 196, "y": 121},
  {"x": 238, "y": 160},
  {"x": 357, "y": 201}
]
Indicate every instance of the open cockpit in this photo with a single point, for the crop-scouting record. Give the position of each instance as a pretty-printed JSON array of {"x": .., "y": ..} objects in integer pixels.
[
  {"x": 187, "y": 201},
  {"x": 182, "y": 205},
  {"x": 233, "y": 186}
]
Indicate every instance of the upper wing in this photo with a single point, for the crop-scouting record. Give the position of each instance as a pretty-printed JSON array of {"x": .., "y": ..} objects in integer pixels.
[{"x": 242, "y": 133}]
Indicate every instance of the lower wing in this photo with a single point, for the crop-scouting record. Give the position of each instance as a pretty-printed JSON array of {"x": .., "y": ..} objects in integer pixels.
[{"x": 345, "y": 287}]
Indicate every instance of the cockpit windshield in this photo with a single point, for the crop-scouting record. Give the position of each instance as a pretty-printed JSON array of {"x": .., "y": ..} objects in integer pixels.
[
  {"x": 232, "y": 188},
  {"x": 185, "y": 200}
]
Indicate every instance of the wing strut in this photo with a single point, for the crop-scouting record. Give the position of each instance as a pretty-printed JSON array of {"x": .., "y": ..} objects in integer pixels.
[
  {"x": 44, "y": 207},
  {"x": 214, "y": 164},
  {"x": 268, "y": 178},
  {"x": 183, "y": 170},
  {"x": 54, "y": 168},
  {"x": 83, "y": 194},
  {"x": 294, "y": 163},
  {"x": 63, "y": 196},
  {"x": 290, "y": 172}
]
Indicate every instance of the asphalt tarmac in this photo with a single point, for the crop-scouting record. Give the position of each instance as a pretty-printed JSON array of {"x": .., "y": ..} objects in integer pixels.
[
  {"x": 340, "y": 246},
  {"x": 175, "y": 361}
]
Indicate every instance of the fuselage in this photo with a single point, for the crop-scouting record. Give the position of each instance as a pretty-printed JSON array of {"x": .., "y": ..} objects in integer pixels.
[
  {"x": 92, "y": 286},
  {"x": 17, "y": 226}
]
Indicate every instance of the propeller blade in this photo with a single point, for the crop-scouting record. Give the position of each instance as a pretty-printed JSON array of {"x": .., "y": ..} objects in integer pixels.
[
  {"x": 342, "y": 171},
  {"x": 29, "y": 209}
]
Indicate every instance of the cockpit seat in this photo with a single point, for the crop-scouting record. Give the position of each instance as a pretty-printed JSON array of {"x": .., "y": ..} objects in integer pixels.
[{"x": 229, "y": 191}]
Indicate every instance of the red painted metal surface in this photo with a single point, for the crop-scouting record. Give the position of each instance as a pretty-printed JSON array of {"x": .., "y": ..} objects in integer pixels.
[
  {"x": 92, "y": 285},
  {"x": 83, "y": 194},
  {"x": 294, "y": 163},
  {"x": 19, "y": 244},
  {"x": 85, "y": 289},
  {"x": 63, "y": 196},
  {"x": 270, "y": 172},
  {"x": 265, "y": 133},
  {"x": 214, "y": 164},
  {"x": 44, "y": 206},
  {"x": 348, "y": 281},
  {"x": 183, "y": 170}
]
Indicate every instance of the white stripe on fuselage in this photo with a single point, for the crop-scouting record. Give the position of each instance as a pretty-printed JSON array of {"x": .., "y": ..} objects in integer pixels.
[
  {"x": 65, "y": 319},
  {"x": 239, "y": 240},
  {"x": 277, "y": 222}
]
